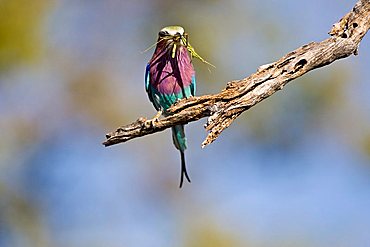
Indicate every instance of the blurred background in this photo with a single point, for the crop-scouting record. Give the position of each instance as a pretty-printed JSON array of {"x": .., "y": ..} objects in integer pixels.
[{"x": 292, "y": 171}]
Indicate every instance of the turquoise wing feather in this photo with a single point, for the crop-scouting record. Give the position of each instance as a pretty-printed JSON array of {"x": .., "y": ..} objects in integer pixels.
[
  {"x": 147, "y": 77},
  {"x": 148, "y": 88},
  {"x": 193, "y": 85}
]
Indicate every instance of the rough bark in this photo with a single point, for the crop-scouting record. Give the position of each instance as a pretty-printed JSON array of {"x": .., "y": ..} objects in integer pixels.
[{"x": 238, "y": 96}]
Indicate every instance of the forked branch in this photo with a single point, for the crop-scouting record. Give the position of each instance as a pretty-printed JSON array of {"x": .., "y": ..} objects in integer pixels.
[{"x": 238, "y": 96}]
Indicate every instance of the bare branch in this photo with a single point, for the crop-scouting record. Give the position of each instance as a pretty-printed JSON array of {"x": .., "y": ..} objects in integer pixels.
[{"x": 238, "y": 96}]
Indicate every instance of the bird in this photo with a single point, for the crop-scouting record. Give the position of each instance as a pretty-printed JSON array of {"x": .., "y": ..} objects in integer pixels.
[{"x": 169, "y": 77}]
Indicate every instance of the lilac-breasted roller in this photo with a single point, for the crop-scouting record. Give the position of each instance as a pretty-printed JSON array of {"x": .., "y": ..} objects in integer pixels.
[{"x": 170, "y": 76}]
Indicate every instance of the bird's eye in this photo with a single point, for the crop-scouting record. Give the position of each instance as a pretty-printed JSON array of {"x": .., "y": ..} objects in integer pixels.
[{"x": 162, "y": 33}]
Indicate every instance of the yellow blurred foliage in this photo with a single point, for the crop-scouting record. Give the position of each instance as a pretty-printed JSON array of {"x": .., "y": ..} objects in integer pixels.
[
  {"x": 91, "y": 95},
  {"x": 20, "y": 30},
  {"x": 208, "y": 234},
  {"x": 22, "y": 217},
  {"x": 366, "y": 144}
]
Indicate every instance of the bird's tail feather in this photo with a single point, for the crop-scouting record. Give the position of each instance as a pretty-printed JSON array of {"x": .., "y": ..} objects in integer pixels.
[
  {"x": 179, "y": 140},
  {"x": 178, "y": 137},
  {"x": 183, "y": 169}
]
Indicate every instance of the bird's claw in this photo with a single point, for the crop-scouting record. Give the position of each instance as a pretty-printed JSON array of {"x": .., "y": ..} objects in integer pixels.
[{"x": 152, "y": 122}]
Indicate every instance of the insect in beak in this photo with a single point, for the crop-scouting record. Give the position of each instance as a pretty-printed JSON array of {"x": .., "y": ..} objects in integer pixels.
[
  {"x": 174, "y": 50},
  {"x": 178, "y": 38}
]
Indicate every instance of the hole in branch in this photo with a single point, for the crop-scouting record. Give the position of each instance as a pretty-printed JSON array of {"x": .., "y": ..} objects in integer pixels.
[
  {"x": 299, "y": 65},
  {"x": 355, "y": 25}
]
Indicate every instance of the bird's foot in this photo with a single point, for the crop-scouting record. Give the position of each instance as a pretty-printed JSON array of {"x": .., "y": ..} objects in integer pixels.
[
  {"x": 152, "y": 122},
  {"x": 156, "y": 117}
]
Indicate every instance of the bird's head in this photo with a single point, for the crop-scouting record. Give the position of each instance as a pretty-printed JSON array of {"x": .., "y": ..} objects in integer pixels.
[
  {"x": 171, "y": 38},
  {"x": 173, "y": 34}
]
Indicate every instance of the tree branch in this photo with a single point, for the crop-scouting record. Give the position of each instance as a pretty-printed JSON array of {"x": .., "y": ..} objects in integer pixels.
[{"x": 238, "y": 96}]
